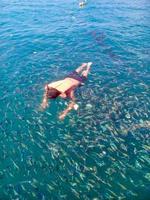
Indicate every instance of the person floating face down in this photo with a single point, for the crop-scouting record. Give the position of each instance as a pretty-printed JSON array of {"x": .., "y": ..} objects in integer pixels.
[{"x": 65, "y": 88}]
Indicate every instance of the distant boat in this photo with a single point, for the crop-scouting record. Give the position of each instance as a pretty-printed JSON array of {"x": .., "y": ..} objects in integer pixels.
[{"x": 82, "y": 3}]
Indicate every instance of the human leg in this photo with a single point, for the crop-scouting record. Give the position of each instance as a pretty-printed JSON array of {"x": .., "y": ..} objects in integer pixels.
[
  {"x": 79, "y": 69},
  {"x": 85, "y": 72}
]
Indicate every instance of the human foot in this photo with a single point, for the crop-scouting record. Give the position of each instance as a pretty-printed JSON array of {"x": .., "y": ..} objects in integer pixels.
[{"x": 89, "y": 64}]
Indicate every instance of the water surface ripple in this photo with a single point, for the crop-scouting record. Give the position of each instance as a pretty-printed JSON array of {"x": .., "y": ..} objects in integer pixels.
[{"x": 101, "y": 151}]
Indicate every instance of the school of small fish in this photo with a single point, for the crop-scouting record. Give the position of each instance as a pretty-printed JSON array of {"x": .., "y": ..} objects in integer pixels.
[
  {"x": 80, "y": 158},
  {"x": 104, "y": 140}
]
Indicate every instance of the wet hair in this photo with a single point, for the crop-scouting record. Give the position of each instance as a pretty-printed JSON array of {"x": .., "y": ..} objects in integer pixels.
[{"x": 52, "y": 93}]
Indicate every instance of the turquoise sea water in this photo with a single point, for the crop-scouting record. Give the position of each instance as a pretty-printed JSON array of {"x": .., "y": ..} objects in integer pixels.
[{"x": 101, "y": 151}]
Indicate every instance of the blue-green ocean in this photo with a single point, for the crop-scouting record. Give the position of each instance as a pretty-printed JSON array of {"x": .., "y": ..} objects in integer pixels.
[{"x": 102, "y": 150}]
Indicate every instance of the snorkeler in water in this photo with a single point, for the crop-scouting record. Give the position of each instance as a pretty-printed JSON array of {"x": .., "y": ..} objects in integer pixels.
[{"x": 65, "y": 88}]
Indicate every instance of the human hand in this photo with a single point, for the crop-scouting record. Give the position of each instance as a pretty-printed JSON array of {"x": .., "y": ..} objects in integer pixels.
[
  {"x": 44, "y": 105},
  {"x": 62, "y": 116},
  {"x": 76, "y": 106}
]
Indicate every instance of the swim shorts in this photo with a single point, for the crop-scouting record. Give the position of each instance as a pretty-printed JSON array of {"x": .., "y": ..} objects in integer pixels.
[{"x": 76, "y": 76}]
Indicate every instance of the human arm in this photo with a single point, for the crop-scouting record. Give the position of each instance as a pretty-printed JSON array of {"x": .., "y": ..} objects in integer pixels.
[
  {"x": 67, "y": 110},
  {"x": 69, "y": 107},
  {"x": 44, "y": 103}
]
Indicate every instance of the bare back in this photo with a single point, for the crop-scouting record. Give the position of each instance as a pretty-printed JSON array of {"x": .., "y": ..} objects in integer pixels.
[{"x": 65, "y": 84}]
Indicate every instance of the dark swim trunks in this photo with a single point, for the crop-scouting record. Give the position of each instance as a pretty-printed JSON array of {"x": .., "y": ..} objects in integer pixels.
[{"x": 76, "y": 76}]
